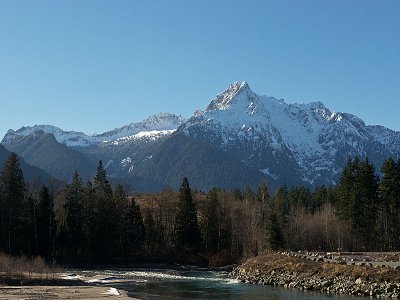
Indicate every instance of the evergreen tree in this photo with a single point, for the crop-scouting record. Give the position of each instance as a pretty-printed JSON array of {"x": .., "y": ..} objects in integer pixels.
[
  {"x": 46, "y": 222},
  {"x": 212, "y": 221},
  {"x": 345, "y": 190},
  {"x": 29, "y": 225},
  {"x": 281, "y": 201},
  {"x": 319, "y": 197},
  {"x": 367, "y": 204},
  {"x": 274, "y": 233},
  {"x": 129, "y": 228},
  {"x": 300, "y": 197},
  {"x": 357, "y": 199},
  {"x": 389, "y": 194},
  {"x": 217, "y": 226},
  {"x": 135, "y": 231},
  {"x": 90, "y": 215},
  {"x": 151, "y": 234},
  {"x": 74, "y": 214},
  {"x": 121, "y": 206},
  {"x": 12, "y": 188},
  {"x": 103, "y": 231},
  {"x": 187, "y": 229}
]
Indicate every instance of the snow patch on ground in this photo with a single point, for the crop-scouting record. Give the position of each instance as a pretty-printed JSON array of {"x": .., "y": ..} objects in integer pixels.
[
  {"x": 112, "y": 291},
  {"x": 71, "y": 276}
]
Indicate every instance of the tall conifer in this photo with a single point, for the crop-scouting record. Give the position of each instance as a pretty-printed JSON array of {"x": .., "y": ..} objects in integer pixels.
[
  {"x": 105, "y": 217},
  {"x": 12, "y": 187},
  {"x": 389, "y": 194},
  {"x": 46, "y": 222},
  {"x": 74, "y": 213},
  {"x": 187, "y": 229}
]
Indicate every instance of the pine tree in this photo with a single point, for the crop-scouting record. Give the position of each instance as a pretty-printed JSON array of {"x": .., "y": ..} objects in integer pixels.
[
  {"x": 357, "y": 199},
  {"x": 281, "y": 201},
  {"x": 216, "y": 226},
  {"x": 121, "y": 206},
  {"x": 151, "y": 233},
  {"x": 345, "y": 190},
  {"x": 187, "y": 229},
  {"x": 29, "y": 225},
  {"x": 389, "y": 194},
  {"x": 90, "y": 215},
  {"x": 212, "y": 221},
  {"x": 129, "y": 227},
  {"x": 74, "y": 214},
  {"x": 319, "y": 197},
  {"x": 367, "y": 204},
  {"x": 46, "y": 222},
  {"x": 135, "y": 231},
  {"x": 103, "y": 231},
  {"x": 12, "y": 188},
  {"x": 274, "y": 233}
]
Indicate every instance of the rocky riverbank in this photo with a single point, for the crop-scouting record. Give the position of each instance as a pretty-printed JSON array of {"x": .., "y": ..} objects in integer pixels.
[{"x": 318, "y": 275}]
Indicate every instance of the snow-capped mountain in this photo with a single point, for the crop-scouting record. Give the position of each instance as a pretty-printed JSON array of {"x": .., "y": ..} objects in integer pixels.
[
  {"x": 239, "y": 138},
  {"x": 121, "y": 149},
  {"x": 69, "y": 138},
  {"x": 157, "y": 125},
  {"x": 267, "y": 133}
]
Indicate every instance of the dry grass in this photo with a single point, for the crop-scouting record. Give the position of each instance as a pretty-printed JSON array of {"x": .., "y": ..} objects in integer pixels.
[
  {"x": 272, "y": 261},
  {"x": 13, "y": 267}
]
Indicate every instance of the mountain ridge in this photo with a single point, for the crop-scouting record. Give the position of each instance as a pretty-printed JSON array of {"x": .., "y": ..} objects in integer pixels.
[
  {"x": 79, "y": 139},
  {"x": 299, "y": 143}
]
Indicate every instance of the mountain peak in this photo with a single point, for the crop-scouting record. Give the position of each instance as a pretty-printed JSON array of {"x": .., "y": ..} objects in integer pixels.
[
  {"x": 244, "y": 85},
  {"x": 223, "y": 100},
  {"x": 164, "y": 118}
]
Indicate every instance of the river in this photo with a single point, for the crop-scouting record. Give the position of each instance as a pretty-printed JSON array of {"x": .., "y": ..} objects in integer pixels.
[{"x": 190, "y": 284}]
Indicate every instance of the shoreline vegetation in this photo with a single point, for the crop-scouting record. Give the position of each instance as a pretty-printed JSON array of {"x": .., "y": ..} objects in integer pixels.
[
  {"x": 317, "y": 272},
  {"x": 32, "y": 278}
]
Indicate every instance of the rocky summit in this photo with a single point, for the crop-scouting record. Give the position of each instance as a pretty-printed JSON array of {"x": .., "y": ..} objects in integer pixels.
[{"x": 240, "y": 138}]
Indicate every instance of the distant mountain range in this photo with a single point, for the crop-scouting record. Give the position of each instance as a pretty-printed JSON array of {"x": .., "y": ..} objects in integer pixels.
[{"x": 240, "y": 139}]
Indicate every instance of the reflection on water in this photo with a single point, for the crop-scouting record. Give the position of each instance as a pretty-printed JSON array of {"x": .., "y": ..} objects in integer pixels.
[{"x": 194, "y": 284}]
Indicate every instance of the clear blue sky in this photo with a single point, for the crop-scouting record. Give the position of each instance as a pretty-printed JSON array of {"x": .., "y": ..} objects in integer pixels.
[{"x": 96, "y": 65}]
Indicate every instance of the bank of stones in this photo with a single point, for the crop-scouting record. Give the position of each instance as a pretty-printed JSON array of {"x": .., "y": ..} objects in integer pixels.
[{"x": 255, "y": 272}]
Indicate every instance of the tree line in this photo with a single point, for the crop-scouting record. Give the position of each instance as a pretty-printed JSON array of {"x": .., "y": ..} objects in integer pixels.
[{"x": 96, "y": 222}]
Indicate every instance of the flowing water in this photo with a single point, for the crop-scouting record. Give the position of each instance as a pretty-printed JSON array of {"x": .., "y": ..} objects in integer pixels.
[{"x": 191, "y": 284}]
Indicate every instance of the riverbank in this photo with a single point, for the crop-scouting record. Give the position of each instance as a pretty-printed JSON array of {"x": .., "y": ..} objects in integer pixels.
[
  {"x": 60, "y": 292},
  {"x": 291, "y": 271},
  {"x": 53, "y": 286}
]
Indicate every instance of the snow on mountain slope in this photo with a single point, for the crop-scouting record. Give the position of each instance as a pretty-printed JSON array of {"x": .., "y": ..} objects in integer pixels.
[
  {"x": 150, "y": 135},
  {"x": 289, "y": 143},
  {"x": 162, "y": 122},
  {"x": 235, "y": 114},
  {"x": 319, "y": 140},
  {"x": 152, "y": 127}
]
